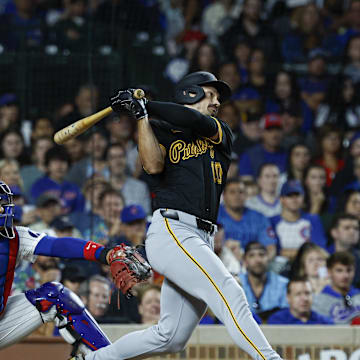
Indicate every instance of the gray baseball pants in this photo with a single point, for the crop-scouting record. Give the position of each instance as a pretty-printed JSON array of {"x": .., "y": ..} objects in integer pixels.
[{"x": 195, "y": 278}]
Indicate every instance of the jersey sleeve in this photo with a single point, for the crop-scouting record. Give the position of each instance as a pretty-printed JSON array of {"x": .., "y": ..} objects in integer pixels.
[
  {"x": 28, "y": 241},
  {"x": 225, "y": 137}
]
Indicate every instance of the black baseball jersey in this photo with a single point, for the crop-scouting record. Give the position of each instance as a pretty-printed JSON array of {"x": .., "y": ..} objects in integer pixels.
[{"x": 195, "y": 170}]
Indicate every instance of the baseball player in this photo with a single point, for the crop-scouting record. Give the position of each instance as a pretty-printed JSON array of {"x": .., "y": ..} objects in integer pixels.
[
  {"x": 187, "y": 154},
  {"x": 23, "y": 313}
]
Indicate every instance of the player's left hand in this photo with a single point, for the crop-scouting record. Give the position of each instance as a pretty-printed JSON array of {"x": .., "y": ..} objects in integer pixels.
[
  {"x": 128, "y": 268},
  {"x": 124, "y": 100}
]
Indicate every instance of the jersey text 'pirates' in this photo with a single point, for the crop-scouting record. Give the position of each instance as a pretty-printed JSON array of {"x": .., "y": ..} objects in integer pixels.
[{"x": 195, "y": 169}]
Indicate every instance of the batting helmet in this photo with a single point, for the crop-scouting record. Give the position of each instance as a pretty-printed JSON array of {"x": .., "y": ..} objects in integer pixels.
[
  {"x": 7, "y": 216},
  {"x": 189, "y": 90}
]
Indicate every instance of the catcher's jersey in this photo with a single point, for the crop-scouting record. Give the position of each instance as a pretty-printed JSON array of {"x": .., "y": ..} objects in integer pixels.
[
  {"x": 195, "y": 170},
  {"x": 11, "y": 252}
]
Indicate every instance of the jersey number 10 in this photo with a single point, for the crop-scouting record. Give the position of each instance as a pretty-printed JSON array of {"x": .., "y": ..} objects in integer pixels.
[{"x": 217, "y": 172}]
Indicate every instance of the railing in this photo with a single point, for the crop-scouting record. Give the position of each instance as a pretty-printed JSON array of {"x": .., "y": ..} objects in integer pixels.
[{"x": 213, "y": 342}]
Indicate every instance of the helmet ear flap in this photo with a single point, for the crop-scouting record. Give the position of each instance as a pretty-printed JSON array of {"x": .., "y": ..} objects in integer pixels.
[{"x": 190, "y": 94}]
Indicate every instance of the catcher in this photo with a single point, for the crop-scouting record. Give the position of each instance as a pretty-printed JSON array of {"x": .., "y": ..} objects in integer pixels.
[{"x": 23, "y": 313}]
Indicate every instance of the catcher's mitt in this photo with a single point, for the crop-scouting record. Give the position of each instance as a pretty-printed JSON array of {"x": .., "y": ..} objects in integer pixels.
[{"x": 127, "y": 268}]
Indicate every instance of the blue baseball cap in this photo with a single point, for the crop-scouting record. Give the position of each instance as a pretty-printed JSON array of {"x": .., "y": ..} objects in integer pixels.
[
  {"x": 132, "y": 213},
  {"x": 7, "y": 99},
  {"x": 292, "y": 187}
]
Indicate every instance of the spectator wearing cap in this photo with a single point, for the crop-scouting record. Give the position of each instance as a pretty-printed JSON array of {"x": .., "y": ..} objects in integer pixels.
[
  {"x": 57, "y": 162},
  {"x": 299, "y": 296},
  {"x": 9, "y": 112},
  {"x": 94, "y": 162},
  {"x": 267, "y": 202},
  {"x": 133, "y": 218},
  {"x": 264, "y": 289},
  {"x": 48, "y": 207},
  {"x": 31, "y": 173},
  {"x": 242, "y": 224},
  {"x": 292, "y": 226},
  {"x": 133, "y": 190},
  {"x": 62, "y": 226},
  {"x": 72, "y": 276},
  {"x": 269, "y": 151},
  {"x": 314, "y": 86}
]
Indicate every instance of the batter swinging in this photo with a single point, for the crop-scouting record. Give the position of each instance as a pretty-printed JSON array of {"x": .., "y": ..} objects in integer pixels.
[{"x": 187, "y": 154}]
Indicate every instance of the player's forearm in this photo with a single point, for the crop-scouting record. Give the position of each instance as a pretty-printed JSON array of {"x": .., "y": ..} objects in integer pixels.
[
  {"x": 151, "y": 156},
  {"x": 182, "y": 116},
  {"x": 69, "y": 248}
]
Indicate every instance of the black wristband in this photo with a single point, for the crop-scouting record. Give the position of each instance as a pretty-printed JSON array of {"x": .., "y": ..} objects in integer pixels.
[{"x": 103, "y": 254}]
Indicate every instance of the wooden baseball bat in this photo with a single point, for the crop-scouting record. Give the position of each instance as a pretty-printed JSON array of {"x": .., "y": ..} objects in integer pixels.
[{"x": 80, "y": 126}]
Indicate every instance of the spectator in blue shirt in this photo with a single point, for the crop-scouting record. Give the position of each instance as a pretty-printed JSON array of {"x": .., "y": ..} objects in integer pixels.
[
  {"x": 57, "y": 163},
  {"x": 299, "y": 297},
  {"x": 293, "y": 227},
  {"x": 340, "y": 300},
  {"x": 241, "y": 223},
  {"x": 269, "y": 151},
  {"x": 264, "y": 289},
  {"x": 345, "y": 233}
]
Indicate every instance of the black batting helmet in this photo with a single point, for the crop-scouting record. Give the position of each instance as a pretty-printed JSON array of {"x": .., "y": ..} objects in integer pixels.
[{"x": 190, "y": 85}]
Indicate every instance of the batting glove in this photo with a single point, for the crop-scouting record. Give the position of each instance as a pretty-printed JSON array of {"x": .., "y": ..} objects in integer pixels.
[{"x": 124, "y": 100}]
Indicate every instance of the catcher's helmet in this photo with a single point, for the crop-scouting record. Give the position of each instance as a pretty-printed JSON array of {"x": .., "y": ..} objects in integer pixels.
[
  {"x": 191, "y": 84},
  {"x": 7, "y": 216}
]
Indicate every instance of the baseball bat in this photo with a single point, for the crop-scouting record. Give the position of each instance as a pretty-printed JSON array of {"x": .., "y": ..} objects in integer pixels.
[{"x": 75, "y": 129}]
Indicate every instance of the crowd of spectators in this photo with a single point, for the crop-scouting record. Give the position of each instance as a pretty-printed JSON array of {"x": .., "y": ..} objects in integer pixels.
[{"x": 289, "y": 215}]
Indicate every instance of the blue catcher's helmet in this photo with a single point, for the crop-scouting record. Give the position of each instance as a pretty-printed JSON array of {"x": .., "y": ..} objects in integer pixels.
[{"x": 7, "y": 216}]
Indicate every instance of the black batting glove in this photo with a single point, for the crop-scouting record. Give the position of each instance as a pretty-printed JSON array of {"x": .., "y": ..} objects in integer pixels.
[{"x": 124, "y": 100}]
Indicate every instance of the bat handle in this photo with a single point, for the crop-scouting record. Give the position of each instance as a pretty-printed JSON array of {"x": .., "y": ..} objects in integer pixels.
[{"x": 139, "y": 94}]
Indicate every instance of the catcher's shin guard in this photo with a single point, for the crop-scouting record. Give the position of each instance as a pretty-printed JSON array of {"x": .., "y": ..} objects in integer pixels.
[{"x": 75, "y": 323}]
